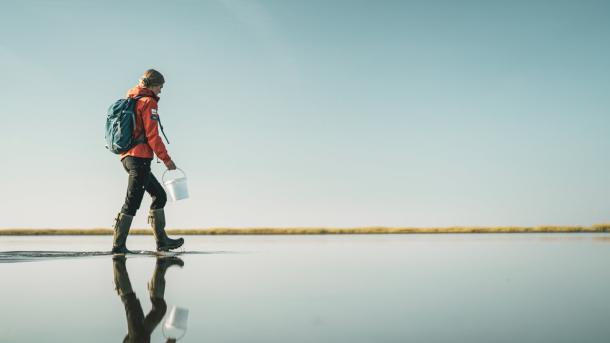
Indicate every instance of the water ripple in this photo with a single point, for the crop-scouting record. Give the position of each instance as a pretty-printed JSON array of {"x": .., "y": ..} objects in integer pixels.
[{"x": 25, "y": 256}]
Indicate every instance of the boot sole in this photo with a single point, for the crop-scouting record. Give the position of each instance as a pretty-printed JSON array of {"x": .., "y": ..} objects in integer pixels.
[{"x": 170, "y": 247}]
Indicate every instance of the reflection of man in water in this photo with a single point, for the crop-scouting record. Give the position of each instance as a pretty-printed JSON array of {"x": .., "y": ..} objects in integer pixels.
[{"x": 139, "y": 327}]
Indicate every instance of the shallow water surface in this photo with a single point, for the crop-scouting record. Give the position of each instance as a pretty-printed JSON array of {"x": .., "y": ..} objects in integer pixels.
[{"x": 343, "y": 288}]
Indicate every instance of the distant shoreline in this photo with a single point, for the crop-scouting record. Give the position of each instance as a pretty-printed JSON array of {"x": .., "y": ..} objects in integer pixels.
[{"x": 315, "y": 230}]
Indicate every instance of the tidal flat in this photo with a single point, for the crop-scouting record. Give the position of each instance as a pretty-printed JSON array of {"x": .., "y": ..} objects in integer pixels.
[{"x": 500, "y": 287}]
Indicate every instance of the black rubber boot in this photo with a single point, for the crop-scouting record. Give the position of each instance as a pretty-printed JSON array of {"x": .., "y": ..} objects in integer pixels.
[
  {"x": 121, "y": 278},
  {"x": 156, "y": 218},
  {"x": 156, "y": 286},
  {"x": 121, "y": 230}
]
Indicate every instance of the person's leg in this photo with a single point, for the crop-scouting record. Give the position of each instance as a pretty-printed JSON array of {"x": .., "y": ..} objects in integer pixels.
[
  {"x": 139, "y": 174},
  {"x": 139, "y": 177},
  {"x": 122, "y": 224},
  {"x": 156, "y": 288},
  {"x": 136, "y": 331},
  {"x": 156, "y": 285},
  {"x": 157, "y": 193},
  {"x": 156, "y": 216}
]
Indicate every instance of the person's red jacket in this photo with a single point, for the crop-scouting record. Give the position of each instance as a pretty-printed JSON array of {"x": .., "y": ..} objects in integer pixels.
[{"x": 147, "y": 119}]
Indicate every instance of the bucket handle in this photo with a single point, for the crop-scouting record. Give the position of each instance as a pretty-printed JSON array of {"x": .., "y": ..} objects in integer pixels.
[{"x": 163, "y": 176}]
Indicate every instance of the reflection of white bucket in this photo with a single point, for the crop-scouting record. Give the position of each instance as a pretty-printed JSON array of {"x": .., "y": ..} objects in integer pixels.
[
  {"x": 175, "y": 324},
  {"x": 176, "y": 187}
]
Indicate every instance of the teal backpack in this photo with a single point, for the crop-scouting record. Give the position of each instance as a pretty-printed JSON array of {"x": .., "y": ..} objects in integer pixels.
[{"x": 120, "y": 124}]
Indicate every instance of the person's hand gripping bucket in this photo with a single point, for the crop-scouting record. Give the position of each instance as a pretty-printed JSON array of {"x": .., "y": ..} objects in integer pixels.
[{"x": 176, "y": 187}]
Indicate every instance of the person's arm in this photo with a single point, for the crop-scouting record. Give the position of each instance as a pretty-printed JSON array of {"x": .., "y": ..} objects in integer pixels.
[{"x": 150, "y": 118}]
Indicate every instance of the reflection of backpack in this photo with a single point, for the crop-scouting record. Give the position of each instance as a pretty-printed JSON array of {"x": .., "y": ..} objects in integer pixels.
[{"x": 120, "y": 124}]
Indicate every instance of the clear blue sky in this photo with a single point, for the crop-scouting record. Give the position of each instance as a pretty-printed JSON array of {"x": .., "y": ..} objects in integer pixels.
[{"x": 321, "y": 113}]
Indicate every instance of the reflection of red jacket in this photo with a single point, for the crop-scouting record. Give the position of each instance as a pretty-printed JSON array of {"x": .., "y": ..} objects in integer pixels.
[{"x": 147, "y": 118}]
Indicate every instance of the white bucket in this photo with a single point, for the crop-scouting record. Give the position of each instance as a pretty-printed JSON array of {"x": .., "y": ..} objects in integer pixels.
[
  {"x": 175, "y": 324},
  {"x": 176, "y": 187}
]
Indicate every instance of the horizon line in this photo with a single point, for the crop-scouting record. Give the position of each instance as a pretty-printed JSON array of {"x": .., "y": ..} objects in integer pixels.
[{"x": 313, "y": 230}]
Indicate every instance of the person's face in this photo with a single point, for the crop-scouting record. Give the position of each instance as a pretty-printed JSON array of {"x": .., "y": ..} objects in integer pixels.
[{"x": 156, "y": 89}]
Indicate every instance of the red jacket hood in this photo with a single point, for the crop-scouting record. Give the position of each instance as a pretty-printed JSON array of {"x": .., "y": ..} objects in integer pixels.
[{"x": 141, "y": 91}]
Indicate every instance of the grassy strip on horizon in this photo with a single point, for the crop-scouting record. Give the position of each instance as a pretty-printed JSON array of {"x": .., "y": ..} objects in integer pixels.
[{"x": 316, "y": 231}]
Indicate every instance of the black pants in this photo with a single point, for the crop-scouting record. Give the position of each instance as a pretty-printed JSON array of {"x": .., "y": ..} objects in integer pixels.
[{"x": 140, "y": 180}]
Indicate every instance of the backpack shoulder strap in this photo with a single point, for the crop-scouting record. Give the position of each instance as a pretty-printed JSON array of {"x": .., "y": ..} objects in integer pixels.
[{"x": 142, "y": 139}]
